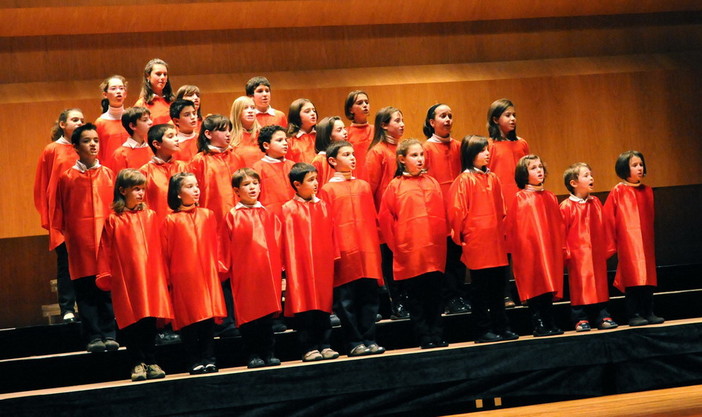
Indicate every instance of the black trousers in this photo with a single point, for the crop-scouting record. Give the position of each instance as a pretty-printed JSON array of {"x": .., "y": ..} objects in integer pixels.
[
  {"x": 595, "y": 312},
  {"x": 424, "y": 305},
  {"x": 455, "y": 276},
  {"x": 198, "y": 339},
  {"x": 541, "y": 307},
  {"x": 639, "y": 301},
  {"x": 313, "y": 330},
  {"x": 228, "y": 322},
  {"x": 258, "y": 336},
  {"x": 356, "y": 305},
  {"x": 394, "y": 287},
  {"x": 64, "y": 285},
  {"x": 488, "y": 289},
  {"x": 95, "y": 308},
  {"x": 139, "y": 339}
]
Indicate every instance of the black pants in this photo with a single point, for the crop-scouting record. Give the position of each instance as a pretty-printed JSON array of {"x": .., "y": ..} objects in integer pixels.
[
  {"x": 139, "y": 339},
  {"x": 64, "y": 285},
  {"x": 228, "y": 323},
  {"x": 541, "y": 307},
  {"x": 639, "y": 301},
  {"x": 313, "y": 330},
  {"x": 95, "y": 308},
  {"x": 258, "y": 336},
  {"x": 455, "y": 276},
  {"x": 394, "y": 287},
  {"x": 356, "y": 305},
  {"x": 424, "y": 305},
  {"x": 595, "y": 312},
  {"x": 198, "y": 339},
  {"x": 488, "y": 291}
]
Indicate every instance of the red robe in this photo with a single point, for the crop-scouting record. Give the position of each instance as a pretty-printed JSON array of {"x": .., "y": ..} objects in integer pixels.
[
  {"x": 504, "y": 155},
  {"x": 309, "y": 251},
  {"x": 82, "y": 204},
  {"x": 586, "y": 244},
  {"x": 128, "y": 157},
  {"x": 250, "y": 251},
  {"x": 214, "y": 171},
  {"x": 55, "y": 159},
  {"x": 629, "y": 219},
  {"x": 160, "y": 109},
  {"x": 535, "y": 237},
  {"x": 131, "y": 266},
  {"x": 443, "y": 162},
  {"x": 266, "y": 119},
  {"x": 188, "y": 148},
  {"x": 189, "y": 241},
  {"x": 324, "y": 170},
  {"x": 275, "y": 184},
  {"x": 360, "y": 137},
  {"x": 248, "y": 149},
  {"x": 355, "y": 227},
  {"x": 413, "y": 222},
  {"x": 158, "y": 174},
  {"x": 301, "y": 147},
  {"x": 477, "y": 213},
  {"x": 381, "y": 164},
  {"x": 112, "y": 135}
]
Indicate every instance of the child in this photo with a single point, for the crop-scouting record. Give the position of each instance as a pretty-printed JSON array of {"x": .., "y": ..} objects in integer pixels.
[
  {"x": 132, "y": 269},
  {"x": 274, "y": 168},
  {"x": 309, "y": 260},
  {"x": 109, "y": 124},
  {"x": 357, "y": 274},
  {"x": 250, "y": 242},
  {"x": 443, "y": 162},
  {"x": 163, "y": 142},
  {"x": 330, "y": 129},
  {"x": 413, "y": 222},
  {"x": 184, "y": 118},
  {"x": 259, "y": 89},
  {"x": 191, "y": 93},
  {"x": 55, "y": 159},
  {"x": 245, "y": 130},
  {"x": 586, "y": 244},
  {"x": 80, "y": 221},
  {"x": 189, "y": 241},
  {"x": 535, "y": 238},
  {"x": 360, "y": 132},
  {"x": 134, "y": 152},
  {"x": 302, "y": 118},
  {"x": 629, "y": 219},
  {"x": 156, "y": 92},
  {"x": 476, "y": 213}
]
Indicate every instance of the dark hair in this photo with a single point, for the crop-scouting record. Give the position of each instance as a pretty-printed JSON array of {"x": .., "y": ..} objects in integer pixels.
[
  {"x": 350, "y": 101},
  {"x": 299, "y": 171},
  {"x": 126, "y": 178},
  {"x": 324, "y": 131},
  {"x": 177, "y": 107},
  {"x": 266, "y": 134},
  {"x": 521, "y": 171},
  {"x": 156, "y": 133},
  {"x": 189, "y": 90},
  {"x": 402, "y": 150},
  {"x": 56, "y": 130},
  {"x": 131, "y": 115},
  {"x": 241, "y": 173},
  {"x": 147, "y": 93},
  {"x": 174, "y": 186},
  {"x": 254, "y": 82},
  {"x": 333, "y": 149},
  {"x": 431, "y": 114},
  {"x": 105, "y": 103},
  {"x": 495, "y": 111},
  {"x": 382, "y": 117},
  {"x": 621, "y": 167},
  {"x": 471, "y": 146},
  {"x": 212, "y": 123},
  {"x": 572, "y": 174},
  {"x": 294, "y": 119},
  {"x": 75, "y": 137}
]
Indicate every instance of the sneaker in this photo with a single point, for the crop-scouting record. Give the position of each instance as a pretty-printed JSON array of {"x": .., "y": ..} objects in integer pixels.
[
  {"x": 334, "y": 320},
  {"x": 69, "y": 317},
  {"x": 509, "y": 302},
  {"x": 311, "y": 356},
  {"x": 583, "y": 326},
  {"x": 329, "y": 353},
  {"x": 255, "y": 362},
  {"x": 211, "y": 368},
  {"x": 375, "y": 349},
  {"x": 637, "y": 321},
  {"x": 489, "y": 337},
  {"x": 455, "y": 306},
  {"x": 111, "y": 345},
  {"x": 139, "y": 372},
  {"x": 197, "y": 369},
  {"x": 154, "y": 371},
  {"x": 359, "y": 350},
  {"x": 653, "y": 319},
  {"x": 607, "y": 323},
  {"x": 96, "y": 346}
]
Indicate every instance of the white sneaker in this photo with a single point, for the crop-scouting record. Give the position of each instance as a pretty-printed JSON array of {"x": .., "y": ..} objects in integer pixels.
[{"x": 69, "y": 317}]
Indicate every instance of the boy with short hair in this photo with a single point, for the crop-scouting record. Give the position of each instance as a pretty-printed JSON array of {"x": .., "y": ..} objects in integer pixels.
[
  {"x": 259, "y": 88},
  {"x": 134, "y": 152},
  {"x": 184, "y": 118},
  {"x": 274, "y": 168}
]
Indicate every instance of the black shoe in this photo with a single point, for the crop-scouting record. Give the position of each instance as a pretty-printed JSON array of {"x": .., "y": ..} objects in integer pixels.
[
  {"x": 428, "y": 345},
  {"x": 440, "y": 343},
  {"x": 279, "y": 326},
  {"x": 271, "y": 360},
  {"x": 96, "y": 346},
  {"x": 255, "y": 362},
  {"x": 399, "y": 312},
  {"x": 111, "y": 345},
  {"x": 211, "y": 368},
  {"x": 637, "y": 321},
  {"x": 555, "y": 331},
  {"x": 509, "y": 335},
  {"x": 378, "y": 317},
  {"x": 166, "y": 337},
  {"x": 375, "y": 349},
  {"x": 488, "y": 337},
  {"x": 227, "y": 332},
  {"x": 334, "y": 320},
  {"x": 197, "y": 369},
  {"x": 653, "y": 319},
  {"x": 455, "y": 306},
  {"x": 540, "y": 328}
]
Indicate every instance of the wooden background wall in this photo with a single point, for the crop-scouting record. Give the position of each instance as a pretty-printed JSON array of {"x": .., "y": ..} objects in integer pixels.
[{"x": 589, "y": 80}]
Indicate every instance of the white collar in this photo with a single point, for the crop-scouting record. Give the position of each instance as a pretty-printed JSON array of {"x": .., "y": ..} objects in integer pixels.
[
  {"x": 359, "y": 125},
  {"x": 302, "y": 132},
  {"x": 530, "y": 187},
  {"x": 577, "y": 199},
  {"x": 438, "y": 139},
  {"x": 216, "y": 149},
  {"x": 407, "y": 174},
  {"x": 241, "y": 205},
  {"x": 270, "y": 111},
  {"x": 271, "y": 160},
  {"x": 158, "y": 161},
  {"x": 389, "y": 139},
  {"x": 113, "y": 113},
  {"x": 183, "y": 137},
  {"x": 83, "y": 168},
  {"x": 131, "y": 143},
  {"x": 478, "y": 170},
  {"x": 314, "y": 199},
  {"x": 63, "y": 141},
  {"x": 340, "y": 177},
  {"x": 632, "y": 184}
]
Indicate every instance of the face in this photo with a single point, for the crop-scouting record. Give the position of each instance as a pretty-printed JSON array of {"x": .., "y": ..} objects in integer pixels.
[
  {"x": 482, "y": 158},
  {"x": 73, "y": 121},
  {"x": 248, "y": 191},
  {"x": 584, "y": 184},
  {"x": 507, "y": 120},
  {"x": 116, "y": 92},
  {"x": 248, "y": 114},
  {"x": 339, "y": 131},
  {"x": 345, "y": 160},
  {"x": 195, "y": 98},
  {"x": 636, "y": 169},
  {"x": 414, "y": 159},
  {"x": 262, "y": 97},
  {"x": 218, "y": 138},
  {"x": 141, "y": 128},
  {"x": 88, "y": 146},
  {"x": 396, "y": 126},
  {"x": 308, "y": 116},
  {"x": 308, "y": 188},
  {"x": 442, "y": 121},
  {"x": 278, "y": 146},
  {"x": 168, "y": 145},
  {"x": 536, "y": 172},
  {"x": 133, "y": 195},
  {"x": 189, "y": 191},
  {"x": 360, "y": 109},
  {"x": 187, "y": 122},
  {"x": 158, "y": 78}
]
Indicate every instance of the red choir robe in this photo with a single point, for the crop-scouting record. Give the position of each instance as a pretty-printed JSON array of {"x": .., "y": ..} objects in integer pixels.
[
  {"x": 189, "y": 242},
  {"x": 586, "y": 245},
  {"x": 535, "y": 237},
  {"x": 158, "y": 173},
  {"x": 476, "y": 214},
  {"x": 324, "y": 170},
  {"x": 55, "y": 159},
  {"x": 131, "y": 267},
  {"x": 355, "y": 227},
  {"x": 214, "y": 171},
  {"x": 504, "y": 155},
  {"x": 629, "y": 219},
  {"x": 413, "y": 222},
  {"x": 248, "y": 149},
  {"x": 187, "y": 147},
  {"x": 443, "y": 162},
  {"x": 360, "y": 137},
  {"x": 275, "y": 184},
  {"x": 309, "y": 252},
  {"x": 301, "y": 147},
  {"x": 381, "y": 164},
  {"x": 112, "y": 135},
  {"x": 250, "y": 242},
  {"x": 83, "y": 198},
  {"x": 130, "y": 155},
  {"x": 160, "y": 109},
  {"x": 271, "y": 117}
]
